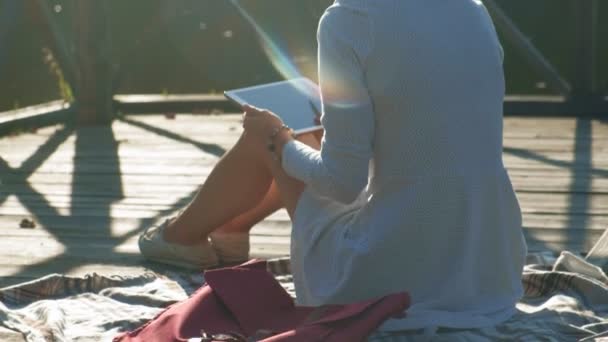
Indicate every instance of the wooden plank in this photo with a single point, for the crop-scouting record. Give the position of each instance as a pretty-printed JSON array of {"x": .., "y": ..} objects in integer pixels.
[
  {"x": 189, "y": 125},
  {"x": 88, "y": 225},
  {"x": 582, "y": 216},
  {"x": 547, "y": 147},
  {"x": 117, "y": 230},
  {"x": 23, "y": 265},
  {"x": 195, "y": 176},
  {"x": 90, "y": 202},
  {"x": 175, "y": 152},
  {"x": 85, "y": 250},
  {"x": 595, "y": 186},
  {"x": 537, "y": 203},
  {"x": 138, "y": 187},
  {"x": 32, "y": 112},
  {"x": 203, "y": 165},
  {"x": 161, "y": 98},
  {"x": 548, "y": 241},
  {"x": 158, "y": 103}
]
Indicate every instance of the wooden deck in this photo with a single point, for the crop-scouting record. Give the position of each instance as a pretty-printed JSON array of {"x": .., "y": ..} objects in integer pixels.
[{"x": 91, "y": 191}]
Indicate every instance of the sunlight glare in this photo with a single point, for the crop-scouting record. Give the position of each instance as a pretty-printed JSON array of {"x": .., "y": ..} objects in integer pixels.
[
  {"x": 285, "y": 65},
  {"x": 272, "y": 48}
]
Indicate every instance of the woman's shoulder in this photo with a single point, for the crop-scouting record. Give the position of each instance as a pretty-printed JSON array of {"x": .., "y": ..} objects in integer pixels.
[
  {"x": 346, "y": 25},
  {"x": 345, "y": 16},
  {"x": 342, "y": 9}
]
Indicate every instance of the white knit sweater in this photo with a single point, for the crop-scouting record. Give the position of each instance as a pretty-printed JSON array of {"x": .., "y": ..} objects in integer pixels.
[{"x": 409, "y": 191}]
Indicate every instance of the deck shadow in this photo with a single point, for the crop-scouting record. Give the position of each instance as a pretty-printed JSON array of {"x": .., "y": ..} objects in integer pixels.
[
  {"x": 45, "y": 214},
  {"x": 91, "y": 143},
  {"x": 213, "y": 149},
  {"x": 581, "y": 179},
  {"x": 582, "y": 172}
]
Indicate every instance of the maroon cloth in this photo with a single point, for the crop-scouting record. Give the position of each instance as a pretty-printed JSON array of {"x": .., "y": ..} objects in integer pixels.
[{"x": 246, "y": 299}]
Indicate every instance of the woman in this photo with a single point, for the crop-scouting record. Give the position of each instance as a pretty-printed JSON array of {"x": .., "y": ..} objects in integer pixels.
[{"x": 408, "y": 191}]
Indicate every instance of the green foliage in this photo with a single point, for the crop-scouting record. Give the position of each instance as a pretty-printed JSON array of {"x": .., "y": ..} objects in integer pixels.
[
  {"x": 182, "y": 46},
  {"x": 65, "y": 91}
]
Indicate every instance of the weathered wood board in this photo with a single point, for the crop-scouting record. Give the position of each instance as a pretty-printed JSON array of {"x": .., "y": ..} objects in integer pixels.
[{"x": 91, "y": 191}]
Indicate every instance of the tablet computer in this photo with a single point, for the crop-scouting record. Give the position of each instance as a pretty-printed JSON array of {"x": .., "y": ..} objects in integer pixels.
[{"x": 297, "y": 102}]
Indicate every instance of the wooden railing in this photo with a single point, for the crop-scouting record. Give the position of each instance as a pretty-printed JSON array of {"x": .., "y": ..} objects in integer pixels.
[
  {"x": 583, "y": 96},
  {"x": 89, "y": 71}
]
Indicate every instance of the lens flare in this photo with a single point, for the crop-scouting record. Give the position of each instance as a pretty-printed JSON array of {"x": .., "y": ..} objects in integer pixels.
[
  {"x": 277, "y": 56},
  {"x": 282, "y": 62}
]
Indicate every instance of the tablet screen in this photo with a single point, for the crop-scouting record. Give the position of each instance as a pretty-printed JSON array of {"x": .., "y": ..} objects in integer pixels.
[{"x": 297, "y": 102}]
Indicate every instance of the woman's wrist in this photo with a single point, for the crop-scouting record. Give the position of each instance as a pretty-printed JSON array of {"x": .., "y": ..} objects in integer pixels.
[{"x": 277, "y": 140}]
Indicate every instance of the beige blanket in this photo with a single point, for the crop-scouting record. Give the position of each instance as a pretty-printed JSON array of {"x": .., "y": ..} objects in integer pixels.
[{"x": 566, "y": 300}]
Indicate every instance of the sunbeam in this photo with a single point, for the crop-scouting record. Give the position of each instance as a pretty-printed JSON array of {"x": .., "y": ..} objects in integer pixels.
[{"x": 273, "y": 50}]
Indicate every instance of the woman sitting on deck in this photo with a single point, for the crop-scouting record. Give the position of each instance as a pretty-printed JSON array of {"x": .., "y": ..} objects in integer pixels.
[{"x": 407, "y": 190}]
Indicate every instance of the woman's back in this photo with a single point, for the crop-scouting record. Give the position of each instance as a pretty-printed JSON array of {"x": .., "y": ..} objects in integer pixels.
[
  {"x": 439, "y": 218},
  {"x": 435, "y": 76}
]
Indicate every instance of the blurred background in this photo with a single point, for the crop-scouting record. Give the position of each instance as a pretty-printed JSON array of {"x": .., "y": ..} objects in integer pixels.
[{"x": 207, "y": 46}]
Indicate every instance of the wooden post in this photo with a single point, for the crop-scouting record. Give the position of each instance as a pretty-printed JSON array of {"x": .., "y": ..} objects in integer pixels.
[
  {"x": 94, "y": 103},
  {"x": 586, "y": 84}
]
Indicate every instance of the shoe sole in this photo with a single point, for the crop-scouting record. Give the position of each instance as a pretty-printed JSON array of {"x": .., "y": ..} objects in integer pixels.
[{"x": 167, "y": 259}]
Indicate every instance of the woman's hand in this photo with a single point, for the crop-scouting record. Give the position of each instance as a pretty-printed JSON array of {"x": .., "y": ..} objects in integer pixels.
[{"x": 259, "y": 124}]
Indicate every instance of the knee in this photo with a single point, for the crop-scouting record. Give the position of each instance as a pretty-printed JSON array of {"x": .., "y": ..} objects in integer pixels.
[
  {"x": 252, "y": 148},
  {"x": 246, "y": 142}
]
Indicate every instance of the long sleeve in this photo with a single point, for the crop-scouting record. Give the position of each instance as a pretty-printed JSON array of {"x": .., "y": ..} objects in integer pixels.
[{"x": 340, "y": 169}]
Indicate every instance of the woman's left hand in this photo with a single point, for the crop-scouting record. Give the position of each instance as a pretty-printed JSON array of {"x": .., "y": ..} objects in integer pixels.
[{"x": 259, "y": 124}]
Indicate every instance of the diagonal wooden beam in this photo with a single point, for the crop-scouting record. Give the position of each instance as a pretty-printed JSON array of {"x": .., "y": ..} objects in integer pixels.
[
  {"x": 523, "y": 44},
  {"x": 36, "y": 116},
  {"x": 29, "y": 166}
]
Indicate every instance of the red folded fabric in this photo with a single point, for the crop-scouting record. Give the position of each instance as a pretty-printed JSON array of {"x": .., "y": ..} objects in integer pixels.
[{"x": 247, "y": 299}]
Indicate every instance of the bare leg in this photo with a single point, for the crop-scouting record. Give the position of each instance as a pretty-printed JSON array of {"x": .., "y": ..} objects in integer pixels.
[
  {"x": 238, "y": 193},
  {"x": 244, "y": 222}
]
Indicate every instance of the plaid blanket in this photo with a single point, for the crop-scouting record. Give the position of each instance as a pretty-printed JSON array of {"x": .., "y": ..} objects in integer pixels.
[
  {"x": 566, "y": 299},
  {"x": 96, "y": 307}
]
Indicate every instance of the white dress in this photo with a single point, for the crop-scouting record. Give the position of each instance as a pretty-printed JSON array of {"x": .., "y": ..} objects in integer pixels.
[{"x": 409, "y": 192}]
